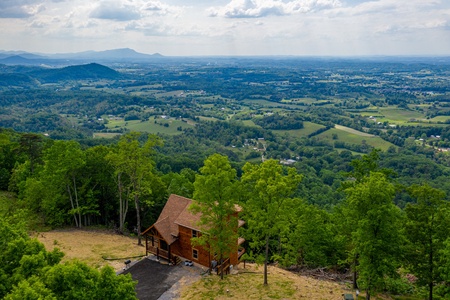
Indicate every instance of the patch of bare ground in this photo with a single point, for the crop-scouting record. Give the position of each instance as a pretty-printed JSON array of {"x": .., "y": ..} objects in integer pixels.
[
  {"x": 248, "y": 284},
  {"x": 92, "y": 246}
]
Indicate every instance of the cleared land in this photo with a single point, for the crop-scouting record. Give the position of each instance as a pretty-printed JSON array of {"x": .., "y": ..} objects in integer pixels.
[
  {"x": 166, "y": 126},
  {"x": 248, "y": 284},
  {"x": 92, "y": 246},
  {"x": 308, "y": 128},
  {"x": 353, "y": 131}
]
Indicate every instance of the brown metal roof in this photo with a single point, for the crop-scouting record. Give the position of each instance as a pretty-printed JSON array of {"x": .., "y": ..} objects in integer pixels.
[{"x": 176, "y": 211}]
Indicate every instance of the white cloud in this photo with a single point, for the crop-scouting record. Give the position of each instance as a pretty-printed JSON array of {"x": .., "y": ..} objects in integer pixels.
[
  {"x": 115, "y": 10},
  {"x": 263, "y": 8},
  {"x": 20, "y": 8}
]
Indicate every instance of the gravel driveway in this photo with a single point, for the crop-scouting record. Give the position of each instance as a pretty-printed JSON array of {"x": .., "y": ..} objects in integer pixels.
[{"x": 158, "y": 280}]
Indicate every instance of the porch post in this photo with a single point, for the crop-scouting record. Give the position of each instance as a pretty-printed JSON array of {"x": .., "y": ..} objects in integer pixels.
[
  {"x": 146, "y": 245},
  {"x": 170, "y": 258}
]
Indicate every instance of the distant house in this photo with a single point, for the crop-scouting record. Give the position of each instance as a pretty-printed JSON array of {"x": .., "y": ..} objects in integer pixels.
[{"x": 170, "y": 236}]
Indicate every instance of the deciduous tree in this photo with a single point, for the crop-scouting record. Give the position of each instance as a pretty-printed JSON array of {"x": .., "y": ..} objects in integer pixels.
[
  {"x": 376, "y": 237},
  {"x": 427, "y": 229},
  {"x": 269, "y": 188},
  {"x": 215, "y": 189}
]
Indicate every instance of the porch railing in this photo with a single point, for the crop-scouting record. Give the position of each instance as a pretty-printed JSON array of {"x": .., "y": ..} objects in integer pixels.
[{"x": 160, "y": 253}]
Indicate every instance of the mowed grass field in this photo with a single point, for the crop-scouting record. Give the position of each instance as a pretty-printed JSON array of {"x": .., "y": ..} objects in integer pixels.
[
  {"x": 308, "y": 128},
  {"x": 395, "y": 115},
  {"x": 248, "y": 284},
  {"x": 92, "y": 246},
  {"x": 150, "y": 126},
  {"x": 351, "y": 136}
]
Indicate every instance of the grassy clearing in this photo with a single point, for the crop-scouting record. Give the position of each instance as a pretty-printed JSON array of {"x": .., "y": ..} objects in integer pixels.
[
  {"x": 351, "y": 138},
  {"x": 308, "y": 128},
  {"x": 106, "y": 135},
  {"x": 90, "y": 246},
  {"x": 248, "y": 284},
  {"x": 353, "y": 131},
  {"x": 398, "y": 115},
  {"x": 250, "y": 123},
  {"x": 267, "y": 103},
  {"x": 150, "y": 126},
  {"x": 440, "y": 119}
]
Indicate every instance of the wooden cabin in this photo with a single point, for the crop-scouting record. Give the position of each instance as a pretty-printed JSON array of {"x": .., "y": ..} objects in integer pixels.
[{"x": 170, "y": 237}]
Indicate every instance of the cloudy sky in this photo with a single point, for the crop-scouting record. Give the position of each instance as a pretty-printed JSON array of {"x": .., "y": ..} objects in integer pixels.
[{"x": 228, "y": 27}]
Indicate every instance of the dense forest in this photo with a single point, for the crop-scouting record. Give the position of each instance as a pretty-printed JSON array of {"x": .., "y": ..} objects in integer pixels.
[
  {"x": 376, "y": 215},
  {"x": 338, "y": 165}
]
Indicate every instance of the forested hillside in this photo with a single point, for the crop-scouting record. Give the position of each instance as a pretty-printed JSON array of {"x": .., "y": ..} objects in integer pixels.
[
  {"x": 351, "y": 157},
  {"x": 370, "y": 213}
]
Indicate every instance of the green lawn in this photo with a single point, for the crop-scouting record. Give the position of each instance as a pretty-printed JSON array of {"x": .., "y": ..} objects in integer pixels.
[
  {"x": 250, "y": 123},
  {"x": 308, "y": 128},
  {"x": 352, "y": 138},
  {"x": 440, "y": 119},
  {"x": 398, "y": 115},
  {"x": 150, "y": 126}
]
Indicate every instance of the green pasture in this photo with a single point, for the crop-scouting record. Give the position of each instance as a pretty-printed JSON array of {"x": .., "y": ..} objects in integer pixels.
[
  {"x": 301, "y": 100},
  {"x": 169, "y": 94},
  {"x": 267, "y": 103},
  {"x": 150, "y": 126},
  {"x": 308, "y": 128},
  {"x": 396, "y": 115},
  {"x": 352, "y": 138},
  {"x": 207, "y": 118},
  {"x": 250, "y": 123},
  {"x": 440, "y": 119},
  {"x": 106, "y": 135}
]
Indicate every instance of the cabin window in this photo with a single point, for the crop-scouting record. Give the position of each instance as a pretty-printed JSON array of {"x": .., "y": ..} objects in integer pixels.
[
  {"x": 194, "y": 253},
  {"x": 194, "y": 233}
]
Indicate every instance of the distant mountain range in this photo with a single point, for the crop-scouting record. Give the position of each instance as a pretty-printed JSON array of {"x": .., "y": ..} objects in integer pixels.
[
  {"x": 34, "y": 76},
  {"x": 109, "y": 56}
]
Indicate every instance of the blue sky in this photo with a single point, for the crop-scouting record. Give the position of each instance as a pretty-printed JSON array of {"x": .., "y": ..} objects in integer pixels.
[{"x": 229, "y": 27}]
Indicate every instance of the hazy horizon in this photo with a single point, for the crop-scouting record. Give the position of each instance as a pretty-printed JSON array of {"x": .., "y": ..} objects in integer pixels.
[{"x": 306, "y": 28}]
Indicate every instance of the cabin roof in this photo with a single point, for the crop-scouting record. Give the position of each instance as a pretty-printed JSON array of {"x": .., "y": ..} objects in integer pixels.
[{"x": 175, "y": 212}]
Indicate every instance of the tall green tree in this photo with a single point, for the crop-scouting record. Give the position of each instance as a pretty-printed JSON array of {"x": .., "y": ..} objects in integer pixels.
[
  {"x": 29, "y": 271},
  {"x": 427, "y": 229},
  {"x": 32, "y": 145},
  {"x": 63, "y": 164},
  {"x": 134, "y": 170},
  {"x": 215, "y": 192},
  {"x": 376, "y": 238},
  {"x": 268, "y": 187}
]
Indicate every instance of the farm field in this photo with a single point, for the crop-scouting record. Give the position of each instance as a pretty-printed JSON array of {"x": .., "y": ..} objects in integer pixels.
[
  {"x": 308, "y": 128},
  {"x": 150, "y": 126},
  {"x": 352, "y": 138},
  {"x": 395, "y": 115}
]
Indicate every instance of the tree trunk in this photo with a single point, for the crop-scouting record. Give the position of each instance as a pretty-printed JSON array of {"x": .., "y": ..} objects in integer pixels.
[
  {"x": 76, "y": 200},
  {"x": 71, "y": 203},
  {"x": 266, "y": 259},
  {"x": 121, "y": 204},
  {"x": 221, "y": 266},
  {"x": 355, "y": 274},
  {"x": 138, "y": 217},
  {"x": 367, "y": 295},
  {"x": 430, "y": 262}
]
